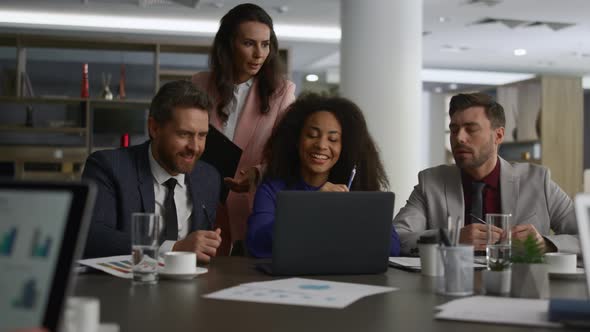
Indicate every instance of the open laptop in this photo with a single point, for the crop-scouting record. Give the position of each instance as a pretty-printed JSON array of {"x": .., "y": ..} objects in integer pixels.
[
  {"x": 331, "y": 233},
  {"x": 43, "y": 228}
]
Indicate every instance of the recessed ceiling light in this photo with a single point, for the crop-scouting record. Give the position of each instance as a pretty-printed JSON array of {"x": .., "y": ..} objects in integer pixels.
[
  {"x": 438, "y": 89},
  {"x": 443, "y": 19},
  {"x": 312, "y": 78},
  {"x": 454, "y": 49},
  {"x": 519, "y": 52},
  {"x": 281, "y": 9},
  {"x": 453, "y": 86}
]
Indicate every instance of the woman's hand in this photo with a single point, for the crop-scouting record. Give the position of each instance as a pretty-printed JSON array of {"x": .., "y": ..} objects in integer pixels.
[
  {"x": 329, "y": 186},
  {"x": 245, "y": 181}
]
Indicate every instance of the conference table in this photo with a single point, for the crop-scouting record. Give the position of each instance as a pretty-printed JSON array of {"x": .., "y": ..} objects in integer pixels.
[{"x": 173, "y": 305}]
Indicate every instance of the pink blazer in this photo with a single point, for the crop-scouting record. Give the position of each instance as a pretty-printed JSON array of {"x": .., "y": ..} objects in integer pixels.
[{"x": 252, "y": 131}]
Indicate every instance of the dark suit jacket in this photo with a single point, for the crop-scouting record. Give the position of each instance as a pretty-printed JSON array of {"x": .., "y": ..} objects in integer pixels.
[{"x": 125, "y": 185}]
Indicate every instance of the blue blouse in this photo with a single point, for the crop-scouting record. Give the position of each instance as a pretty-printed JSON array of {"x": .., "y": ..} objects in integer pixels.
[{"x": 261, "y": 221}]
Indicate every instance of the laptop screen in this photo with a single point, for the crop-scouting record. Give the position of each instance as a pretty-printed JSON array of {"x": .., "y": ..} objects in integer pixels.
[{"x": 32, "y": 226}]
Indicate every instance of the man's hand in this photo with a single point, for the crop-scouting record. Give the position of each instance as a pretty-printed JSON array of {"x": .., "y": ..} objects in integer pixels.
[
  {"x": 521, "y": 232},
  {"x": 203, "y": 243},
  {"x": 244, "y": 182},
  {"x": 477, "y": 235},
  {"x": 329, "y": 186}
]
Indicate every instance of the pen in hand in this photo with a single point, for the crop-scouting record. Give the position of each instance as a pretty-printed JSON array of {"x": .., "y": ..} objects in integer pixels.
[
  {"x": 478, "y": 219},
  {"x": 209, "y": 223},
  {"x": 352, "y": 174}
]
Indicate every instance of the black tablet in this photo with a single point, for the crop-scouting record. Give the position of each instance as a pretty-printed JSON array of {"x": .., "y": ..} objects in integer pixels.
[
  {"x": 222, "y": 154},
  {"x": 43, "y": 228}
]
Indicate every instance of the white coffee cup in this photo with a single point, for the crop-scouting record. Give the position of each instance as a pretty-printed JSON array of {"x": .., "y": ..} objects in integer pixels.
[
  {"x": 82, "y": 314},
  {"x": 430, "y": 260},
  {"x": 180, "y": 262},
  {"x": 560, "y": 262}
]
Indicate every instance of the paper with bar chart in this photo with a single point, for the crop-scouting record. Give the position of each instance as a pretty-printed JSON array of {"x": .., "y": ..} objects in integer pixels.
[{"x": 118, "y": 266}]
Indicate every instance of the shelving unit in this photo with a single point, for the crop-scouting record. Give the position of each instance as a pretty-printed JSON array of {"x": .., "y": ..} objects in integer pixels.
[{"x": 65, "y": 161}]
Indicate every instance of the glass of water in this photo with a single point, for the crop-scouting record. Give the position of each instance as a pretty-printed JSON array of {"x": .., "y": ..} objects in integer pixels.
[
  {"x": 145, "y": 229},
  {"x": 498, "y": 249}
]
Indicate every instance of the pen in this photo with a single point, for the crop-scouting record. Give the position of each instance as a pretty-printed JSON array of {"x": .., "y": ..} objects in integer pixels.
[
  {"x": 352, "y": 174},
  {"x": 478, "y": 219},
  {"x": 209, "y": 224},
  {"x": 444, "y": 237}
]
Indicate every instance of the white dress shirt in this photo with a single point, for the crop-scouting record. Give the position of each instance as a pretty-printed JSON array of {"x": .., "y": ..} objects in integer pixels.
[
  {"x": 234, "y": 108},
  {"x": 182, "y": 199}
]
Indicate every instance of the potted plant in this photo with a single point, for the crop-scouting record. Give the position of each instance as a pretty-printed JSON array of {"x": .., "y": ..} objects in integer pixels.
[
  {"x": 497, "y": 277},
  {"x": 530, "y": 278}
]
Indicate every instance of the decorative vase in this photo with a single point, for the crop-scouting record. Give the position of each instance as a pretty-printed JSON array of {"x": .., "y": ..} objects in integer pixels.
[
  {"x": 106, "y": 91},
  {"x": 497, "y": 282},
  {"x": 530, "y": 281}
]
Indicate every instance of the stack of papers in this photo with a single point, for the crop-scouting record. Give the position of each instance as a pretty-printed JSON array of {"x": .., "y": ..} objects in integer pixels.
[
  {"x": 498, "y": 310},
  {"x": 299, "y": 291}
]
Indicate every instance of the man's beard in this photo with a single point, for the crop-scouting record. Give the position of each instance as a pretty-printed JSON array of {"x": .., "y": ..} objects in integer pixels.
[
  {"x": 484, "y": 155},
  {"x": 169, "y": 161}
]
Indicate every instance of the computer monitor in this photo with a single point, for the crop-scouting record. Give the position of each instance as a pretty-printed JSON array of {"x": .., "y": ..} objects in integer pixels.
[
  {"x": 582, "y": 203},
  {"x": 43, "y": 227}
]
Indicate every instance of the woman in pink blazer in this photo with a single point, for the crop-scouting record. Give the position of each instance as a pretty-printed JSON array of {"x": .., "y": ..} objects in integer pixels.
[{"x": 249, "y": 95}]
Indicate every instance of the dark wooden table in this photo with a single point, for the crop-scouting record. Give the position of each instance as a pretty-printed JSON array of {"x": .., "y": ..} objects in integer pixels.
[{"x": 179, "y": 306}]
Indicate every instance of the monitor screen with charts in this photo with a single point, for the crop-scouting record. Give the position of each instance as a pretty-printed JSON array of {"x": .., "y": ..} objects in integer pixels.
[{"x": 42, "y": 230}]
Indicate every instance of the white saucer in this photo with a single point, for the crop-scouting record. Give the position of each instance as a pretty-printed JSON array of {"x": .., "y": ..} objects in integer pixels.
[
  {"x": 568, "y": 275},
  {"x": 182, "y": 276}
]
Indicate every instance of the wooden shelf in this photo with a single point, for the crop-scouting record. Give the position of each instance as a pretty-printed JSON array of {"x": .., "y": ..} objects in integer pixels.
[
  {"x": 36, "y": 153},
  {"x": 42, "y": 100},
  {"x": 120, "y": 103},
  {"x": 176, "y": 73},
  {"x": 24, "y": 129}
]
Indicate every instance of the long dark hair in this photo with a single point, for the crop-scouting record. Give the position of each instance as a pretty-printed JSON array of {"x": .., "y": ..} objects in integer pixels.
[
  {"x": 281, "y": 151},
  {"x": 221, "y": 58}
]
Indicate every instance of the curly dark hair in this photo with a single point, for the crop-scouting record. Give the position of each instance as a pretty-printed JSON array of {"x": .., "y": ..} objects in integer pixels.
[
  {"x": 221, "y": 58},
  {"x": 358, "y": 148}
]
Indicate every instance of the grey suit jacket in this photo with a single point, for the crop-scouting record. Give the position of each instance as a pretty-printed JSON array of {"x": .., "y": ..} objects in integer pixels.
[
  {"x": 527, "y": 192},
  {"x": 125, "y": 185}
]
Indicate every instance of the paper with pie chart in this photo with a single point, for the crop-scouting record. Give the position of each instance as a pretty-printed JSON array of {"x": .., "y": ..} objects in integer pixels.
[{"x": 300, "y": 291}]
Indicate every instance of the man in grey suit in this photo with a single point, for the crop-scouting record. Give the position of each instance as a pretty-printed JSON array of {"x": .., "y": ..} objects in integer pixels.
[
  {"x": 163, "y": 176},
  {"x": 481, "y": 182}
]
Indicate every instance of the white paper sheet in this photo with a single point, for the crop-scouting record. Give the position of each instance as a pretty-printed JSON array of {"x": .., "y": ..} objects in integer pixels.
[
  {"x": 407, "y": 262},
  {"x": 413, "y": 263},
  {"x": 498, "y": 310},
  {"x": 299, "y": 291},
  {"x": 118, "y": 266}
]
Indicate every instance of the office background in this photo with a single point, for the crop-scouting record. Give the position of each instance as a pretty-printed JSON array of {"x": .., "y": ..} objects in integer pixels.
[{"x": 399, "y": 60}]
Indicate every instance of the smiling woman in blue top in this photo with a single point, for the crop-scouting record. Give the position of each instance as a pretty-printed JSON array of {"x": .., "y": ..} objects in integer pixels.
[{"x": 315, "y": 147}]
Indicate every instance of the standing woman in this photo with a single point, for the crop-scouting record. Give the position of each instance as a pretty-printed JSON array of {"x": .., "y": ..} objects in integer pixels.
[{"x": 249, "y": 95}]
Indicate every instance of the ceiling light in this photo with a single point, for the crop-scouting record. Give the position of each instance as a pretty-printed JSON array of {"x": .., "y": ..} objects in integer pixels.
[
  {"x": 443, "y": 19},
  {"x": 472, "y": 76},
  {"x": 519, "y": 52},
  {"x": 438, "y": 89},
  {"x": 150, "y": 25},
  {"x": 281, "y": 9},
  {"x": 312, "y": 78},
  {"x": 453, "y": 86}
]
